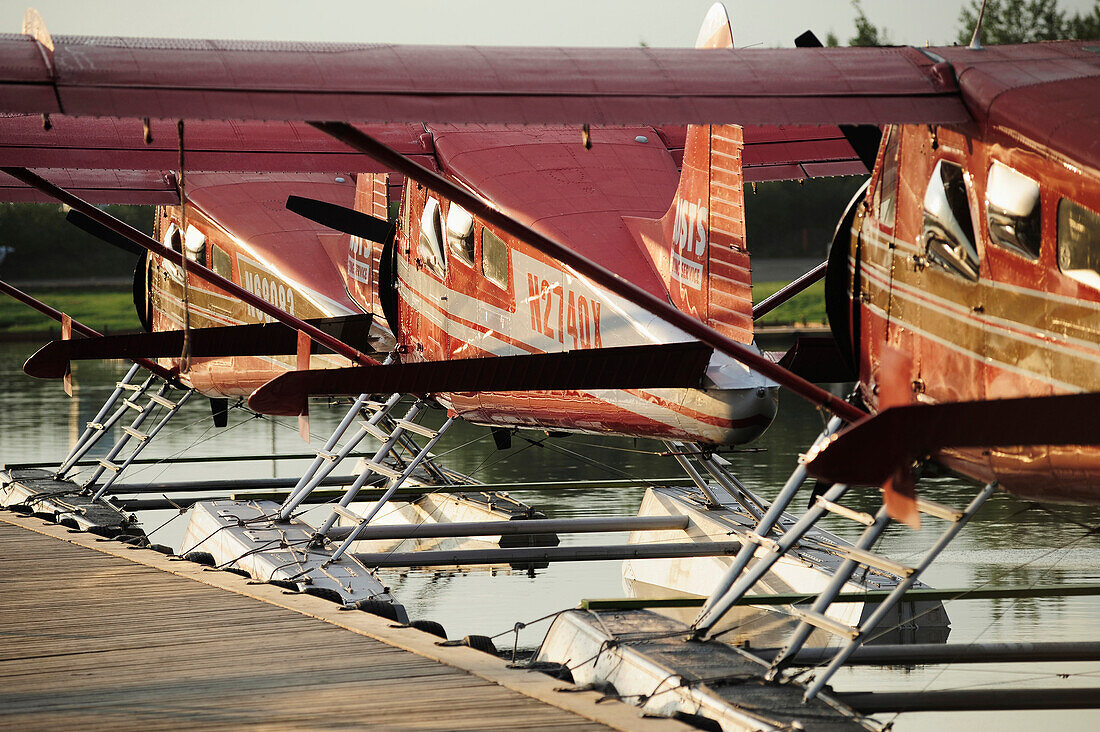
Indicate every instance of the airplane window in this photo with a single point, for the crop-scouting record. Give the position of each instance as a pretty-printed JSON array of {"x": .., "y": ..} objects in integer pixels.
[
  {"x": 888, "y": 182},
  {"x": 195, "y": 243},
  {"x": 172, "y": 238},
  {"x": 174, "y": 241},
  {"x": 494, "y": 258},
  {"x": 460, "y": 233},
  {"x": 1013, "y": 211},
  {"x": 430, "y": 249},
  {"x": 221, "y": 263},
  {"x": 1079, "y": 242},
  {"x": 948, "y": 231}
]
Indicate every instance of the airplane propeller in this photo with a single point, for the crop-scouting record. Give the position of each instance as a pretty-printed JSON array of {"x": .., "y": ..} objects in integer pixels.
[
  {"x": 101, "y": 232},
  {"x": 371, "y": 228},
  {"x": 342, "y": 218},
  {"x": 864, "y": 139}
]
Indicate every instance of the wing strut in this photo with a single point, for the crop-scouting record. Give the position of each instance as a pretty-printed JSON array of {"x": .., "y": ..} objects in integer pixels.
[
  {"x": 78, "y": 327},
  {"x": 395, "y": 161}
]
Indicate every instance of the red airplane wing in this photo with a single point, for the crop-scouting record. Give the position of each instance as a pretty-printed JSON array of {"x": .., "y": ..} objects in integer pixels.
[
  {"x": 782, "y": 152},
  {"x": 197, "y": 79},
  {"x": 106, "y": 160},
  {"x": 672, "y": 365},
  {"x": 1047, "y": 92},
  {"x": 146, "y": 187}
]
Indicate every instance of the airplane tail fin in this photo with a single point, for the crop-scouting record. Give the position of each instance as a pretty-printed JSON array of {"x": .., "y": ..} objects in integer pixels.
[
  {"x": 699, "y": 244},
  {"x": 364, "y": 256}
]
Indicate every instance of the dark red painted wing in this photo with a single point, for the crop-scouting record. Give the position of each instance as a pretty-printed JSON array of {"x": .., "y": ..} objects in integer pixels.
[
  {"x": 775, "y": 152},
  {"x": 870, "y": 451},
  {"x": 1047, "y": 92},
  {"x": 673, "y": 365},
  {"x": 196, "y": 79},
  {"x": 120, "y": 167},
  {"x": 782, "y": 152},
  {"x": 146, "y": 187},
  {"x": 212, "y": 145}
]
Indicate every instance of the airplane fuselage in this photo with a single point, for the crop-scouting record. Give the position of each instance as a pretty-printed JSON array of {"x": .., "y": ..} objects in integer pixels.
[
  {"x": 497, "y": 296},
  {"x": 978, "y": 255}
]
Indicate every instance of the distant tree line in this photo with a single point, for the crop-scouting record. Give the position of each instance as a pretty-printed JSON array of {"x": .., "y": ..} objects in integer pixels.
[
  {"x": 1027, "y": 21},
  {"x": 41, "y": 245},
  {"x": 1005, "y": 21}
]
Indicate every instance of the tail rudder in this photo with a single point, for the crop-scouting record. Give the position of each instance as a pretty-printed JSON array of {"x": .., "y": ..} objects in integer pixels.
[
  {"x": 700, "y": 241},
  {"x": 363, "y": 255}
]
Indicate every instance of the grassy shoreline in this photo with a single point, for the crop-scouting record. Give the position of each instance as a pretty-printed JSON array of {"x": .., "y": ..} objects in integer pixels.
[
  {"x": 105, "y": 309},
  {"x": 805, "y": 308},
  {"x": 111, "y": 310}
]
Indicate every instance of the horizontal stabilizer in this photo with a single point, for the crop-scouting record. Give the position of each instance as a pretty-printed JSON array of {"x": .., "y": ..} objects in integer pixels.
[
  {"x": 260, "y": 339},
  {"x": 870, "y": 451},
  {"x": 673, "y": 365}
]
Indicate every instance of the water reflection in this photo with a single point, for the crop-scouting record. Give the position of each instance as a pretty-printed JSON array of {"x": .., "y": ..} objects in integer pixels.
[{"x": 1009, "y": 543}]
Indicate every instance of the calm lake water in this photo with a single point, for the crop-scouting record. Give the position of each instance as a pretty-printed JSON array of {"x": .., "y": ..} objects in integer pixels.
[{"x": 1010, "y": 543}]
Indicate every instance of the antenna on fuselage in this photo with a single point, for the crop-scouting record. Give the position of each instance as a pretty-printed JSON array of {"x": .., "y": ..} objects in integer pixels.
[{"x": 976, "y": 39}]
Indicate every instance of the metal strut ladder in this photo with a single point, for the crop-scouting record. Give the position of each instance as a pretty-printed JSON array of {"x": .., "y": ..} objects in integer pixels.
[
  {"x": 95, "y": 429},
  {"x": 397, "y": 478},
  {"x": 858, "y": 634},
  {"x": 392, "y": 433},
  {"x": 716, "y": 467},
  {"x": 158, "y": 399},
  {"x": 738, "y": 581}
]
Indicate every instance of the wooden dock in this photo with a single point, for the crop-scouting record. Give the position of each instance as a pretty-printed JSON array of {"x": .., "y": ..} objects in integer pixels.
[{"x": 99, "y": 635}]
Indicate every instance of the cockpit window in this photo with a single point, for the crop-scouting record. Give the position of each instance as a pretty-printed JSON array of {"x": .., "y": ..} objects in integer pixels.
[
  {"x": 948, "y": 231},
  {"x": 172, "y": 238},
  {"x": 1013, "y": 212},
  {"x": 460, "y": 233},
  {"x": 430, "y": 248},
  {"x": 406, "y": 207},
  {"x": 221, "y": 263},
  {"x": 1079, "y": 242}
]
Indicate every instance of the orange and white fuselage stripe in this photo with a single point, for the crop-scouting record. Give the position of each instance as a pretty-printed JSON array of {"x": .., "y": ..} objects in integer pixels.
[{"x": 549, "y": 308}]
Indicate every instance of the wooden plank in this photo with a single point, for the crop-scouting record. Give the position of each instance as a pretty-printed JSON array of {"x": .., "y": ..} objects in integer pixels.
[{"x": 91, "y": 640}]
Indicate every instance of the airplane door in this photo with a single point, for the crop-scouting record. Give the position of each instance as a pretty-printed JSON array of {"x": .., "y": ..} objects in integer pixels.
[
  {"x": 951, "y": 291},
  {"x": 882, "y": 313},
  {"x": 461, "y": 305},
  {"x": 1013, "y": 229}
]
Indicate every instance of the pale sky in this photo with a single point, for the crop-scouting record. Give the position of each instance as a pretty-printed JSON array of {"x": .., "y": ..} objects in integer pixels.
[{"x": 492, "y": 22}]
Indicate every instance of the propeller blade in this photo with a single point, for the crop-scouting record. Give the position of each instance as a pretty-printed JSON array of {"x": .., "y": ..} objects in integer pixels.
[
  {"x": 864, "y": 139},
  {"x": 341, "y": 218},
  {"x": 101, "y": 232}
]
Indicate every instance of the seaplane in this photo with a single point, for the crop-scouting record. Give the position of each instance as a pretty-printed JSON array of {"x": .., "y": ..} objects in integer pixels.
[{"x": 592, "y": 274}]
